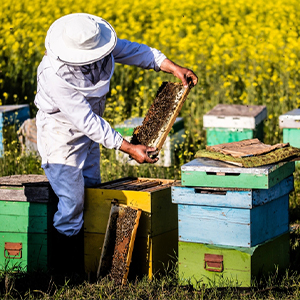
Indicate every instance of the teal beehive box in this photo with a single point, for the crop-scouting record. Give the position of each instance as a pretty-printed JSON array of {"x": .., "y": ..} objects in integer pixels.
[
  {"x": 27, "y": 206},
  {"x": 167, "y": 153},
  {"x": 290, "y": 124},
  {"x": 227, "y": 123}
]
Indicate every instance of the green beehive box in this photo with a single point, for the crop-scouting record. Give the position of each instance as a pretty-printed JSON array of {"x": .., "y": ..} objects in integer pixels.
[
  {"x": 290, "y": 124},
  {"x": 207, "y": 172},
  {"x": 227, "y": 123},
  {"x": 27, "y": 206},
  {"x": 215, "y": 265}
]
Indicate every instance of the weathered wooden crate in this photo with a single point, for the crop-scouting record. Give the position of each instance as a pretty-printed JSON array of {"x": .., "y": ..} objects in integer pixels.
[
  {"x": 9, "y": 115},
  {"x": 243, "y": 217},
  {"x": 214, "y": 265},
  {"x": 157, "y": 235},
  {"x": 166, "y": 155},
  {"x": 227, "y": 123},
  {"x": 212, "y": 173},
  {"x": 290, "y": 124},
  {"x": 27, "y": 206}
]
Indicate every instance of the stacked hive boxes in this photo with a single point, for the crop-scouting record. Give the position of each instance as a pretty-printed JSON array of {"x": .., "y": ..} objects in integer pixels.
[
  {"x": 233, "y": 221},
  {"x": 227, "y": 123},
  {"x": 166, "y": 155},
  {"x": 157, "y": 234},
  {"x": 27, "y": 206}
]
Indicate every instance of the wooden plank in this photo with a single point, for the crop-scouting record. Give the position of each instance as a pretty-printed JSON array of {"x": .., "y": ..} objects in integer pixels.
[
  {"x": 240, "y": 265},
  {"x": 245, "y": 148},
  {"x": 20, "y": 180},
  {"x": 236, "y": 227},
  {"x": 237, "y": 198}
]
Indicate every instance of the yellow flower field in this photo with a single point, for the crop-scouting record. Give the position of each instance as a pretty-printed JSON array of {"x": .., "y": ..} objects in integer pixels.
[{"x": 244, "y": 52}]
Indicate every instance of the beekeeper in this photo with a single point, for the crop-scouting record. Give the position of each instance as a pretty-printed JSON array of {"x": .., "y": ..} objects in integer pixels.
[{"x": 72, "y": 81}]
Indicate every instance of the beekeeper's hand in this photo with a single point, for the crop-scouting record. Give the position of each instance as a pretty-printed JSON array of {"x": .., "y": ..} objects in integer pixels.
[
  {"x": 184, "y": 74},
  {"x": 138, "y": 152}
]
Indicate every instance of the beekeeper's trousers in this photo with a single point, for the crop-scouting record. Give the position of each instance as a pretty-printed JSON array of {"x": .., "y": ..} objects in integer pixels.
[{"x": 71, "y": 162}]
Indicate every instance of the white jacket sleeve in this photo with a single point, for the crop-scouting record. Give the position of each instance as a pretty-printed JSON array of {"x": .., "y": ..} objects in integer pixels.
[
  {"x": 140, "y": 55},
  {"x": 78, "y": 111}
]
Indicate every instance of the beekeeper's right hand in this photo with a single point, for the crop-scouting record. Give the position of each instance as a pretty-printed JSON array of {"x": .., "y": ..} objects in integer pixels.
[{"x": 138, "y": 152}]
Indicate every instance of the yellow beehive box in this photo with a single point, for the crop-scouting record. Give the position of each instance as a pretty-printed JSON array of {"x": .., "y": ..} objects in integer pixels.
[{"x": 157, "y": 235}]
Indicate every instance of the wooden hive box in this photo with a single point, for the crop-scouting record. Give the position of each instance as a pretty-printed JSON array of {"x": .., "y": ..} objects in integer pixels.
[
  {"x": 157, "y": 235},
  {"x": 214, "y": 265},
  {"x": 242, "y": 217},
  {"x": 9, "y": 115},
  {"x": 166, "y": 155},
  {"x": 27, "y": 206},
  {"x": 207, "y": 172},
  {"x": 227, "y": 123},
  {"x": 290, "y": 124}
]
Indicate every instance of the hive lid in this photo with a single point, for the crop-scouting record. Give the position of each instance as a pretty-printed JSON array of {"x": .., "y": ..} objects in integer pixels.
[
  {"x": 136, "y": 184},
  {"x": 235, "y": 116},
  {"x": 214, "y": 166},
  {"x": 290, "y": 120},
  {"x": 31, "y": 188}
]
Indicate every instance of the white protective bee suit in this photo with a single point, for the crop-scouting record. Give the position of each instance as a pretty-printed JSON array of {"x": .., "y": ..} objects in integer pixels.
[{"x": 70, "y": 126}]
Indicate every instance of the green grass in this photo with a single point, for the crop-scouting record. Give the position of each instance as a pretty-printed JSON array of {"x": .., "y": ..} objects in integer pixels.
[{"x": 18, "y": 285}]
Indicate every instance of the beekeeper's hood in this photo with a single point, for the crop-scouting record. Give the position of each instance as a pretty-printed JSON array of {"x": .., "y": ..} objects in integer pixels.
[{"x": 80, "y": 39}]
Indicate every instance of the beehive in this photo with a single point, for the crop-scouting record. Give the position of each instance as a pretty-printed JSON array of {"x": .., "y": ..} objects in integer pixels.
[
  {"x": 212, "y": 173},
  {"x": 9, "y": 115},
  {"x": 166, "y": 155},
  {"x": 157, "y": 234},
  {"x": 227, "y": 123},
  {"x": 244, "y": 217},
  {"x": 27, "y": 206},
  {"x": 213, "y": 265},
  {"x": 290, "y": 124}
]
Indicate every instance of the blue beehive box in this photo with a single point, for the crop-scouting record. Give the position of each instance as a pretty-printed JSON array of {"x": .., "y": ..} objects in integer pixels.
[
  {"x": 232, "y": 217},
  {"x": 9, "y": 115}
]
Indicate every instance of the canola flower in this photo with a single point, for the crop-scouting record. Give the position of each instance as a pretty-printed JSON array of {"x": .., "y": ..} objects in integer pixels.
[{"x": 244, "y": 52}]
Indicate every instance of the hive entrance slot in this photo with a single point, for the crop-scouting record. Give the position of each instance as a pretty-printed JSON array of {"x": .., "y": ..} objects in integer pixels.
[{"x": 222, "y": 174}]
